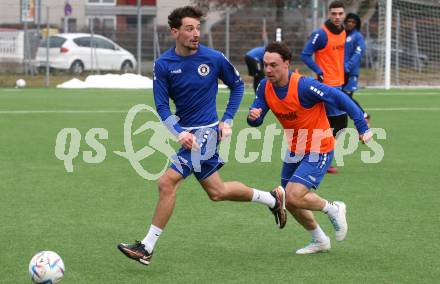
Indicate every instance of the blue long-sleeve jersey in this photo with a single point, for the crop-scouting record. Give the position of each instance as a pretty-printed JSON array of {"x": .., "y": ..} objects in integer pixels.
[
  {"x": 317, "y": 40},
  {"x": 191, "y": 82},
  {"x": 311, "y": 92},
  {"x": 354, "y": 50}
]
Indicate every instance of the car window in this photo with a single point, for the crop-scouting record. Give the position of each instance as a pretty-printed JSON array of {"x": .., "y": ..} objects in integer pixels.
[
  {"x": 54, "y": 42},
  {"x": 102, "y": 43},
  {"x": 82, "y": 41}
]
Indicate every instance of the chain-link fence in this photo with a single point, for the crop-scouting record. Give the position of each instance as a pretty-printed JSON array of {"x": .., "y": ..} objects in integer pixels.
[{"x": 232, "y": 31}]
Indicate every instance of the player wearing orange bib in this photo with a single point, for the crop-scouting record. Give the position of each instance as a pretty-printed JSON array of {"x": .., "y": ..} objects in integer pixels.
[
  {"x": 298, "y": 103},
  {"x": 315, "y": 135}
]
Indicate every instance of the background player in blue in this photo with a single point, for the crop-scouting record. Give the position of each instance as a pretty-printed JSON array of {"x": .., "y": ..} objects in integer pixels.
[
  {"x": 354, "y": 50},
  {"x": 188, "y": 74},
  {"x": 254, "y": 62},
  {"x": 299, "y": 173}
]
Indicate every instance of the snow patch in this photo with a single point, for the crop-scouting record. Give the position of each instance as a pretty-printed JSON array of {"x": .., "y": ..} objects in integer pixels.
[{"x": 110, "y": 81}]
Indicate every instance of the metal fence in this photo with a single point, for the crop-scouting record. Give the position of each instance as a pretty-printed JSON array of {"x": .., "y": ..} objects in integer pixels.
[{"x": 232, "y": 31}]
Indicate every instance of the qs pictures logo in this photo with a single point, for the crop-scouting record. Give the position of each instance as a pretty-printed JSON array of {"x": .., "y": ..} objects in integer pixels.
[
  {"x": 160, "y": 135},
  {"x": 68, "y": 143}
]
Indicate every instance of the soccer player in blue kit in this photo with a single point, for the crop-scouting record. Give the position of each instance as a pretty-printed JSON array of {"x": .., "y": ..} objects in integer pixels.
[
  {"x": 188, "y": 74},
  {"x": 354, "y": 50},
  {"x": 254, "y": 62}
]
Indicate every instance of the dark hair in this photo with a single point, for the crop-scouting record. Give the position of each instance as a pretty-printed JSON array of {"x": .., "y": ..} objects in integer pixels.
[
  {"x": 176, "y": 16},
  {"x": 280, "y": 48},
  {"x": 354, "y": 17},
  {"x": 336, "y": 4}
]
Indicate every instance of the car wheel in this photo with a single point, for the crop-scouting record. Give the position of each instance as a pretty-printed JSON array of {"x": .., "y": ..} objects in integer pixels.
[
  {"x": 77, "y": 67},
  {"x": 127, "y": 67}
]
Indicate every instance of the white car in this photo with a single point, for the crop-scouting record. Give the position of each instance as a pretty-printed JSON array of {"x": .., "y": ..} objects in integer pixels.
[{"x": 78, "y": 52}]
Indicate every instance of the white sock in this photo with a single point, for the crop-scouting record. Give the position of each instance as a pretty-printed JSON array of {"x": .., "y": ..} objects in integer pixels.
[
  {"x": 318, "y": 234},
  {"x": 263, "y": 197},
  {"x": 150, "y": 240},
  {"x": 330, "y": 208}
]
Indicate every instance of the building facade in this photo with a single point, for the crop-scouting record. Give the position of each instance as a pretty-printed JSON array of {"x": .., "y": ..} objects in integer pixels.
[{"x": 108, "y": 14}]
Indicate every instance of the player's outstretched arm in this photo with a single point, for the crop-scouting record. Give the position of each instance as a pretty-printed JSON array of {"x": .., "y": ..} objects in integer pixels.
[
  {"x": 313, "y": 92},
  {"x": 343, "y": 102},
  {"x": 259, "y": 108}
]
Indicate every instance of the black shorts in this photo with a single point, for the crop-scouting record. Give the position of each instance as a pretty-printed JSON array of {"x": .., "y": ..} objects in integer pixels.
[
  {"x": 338, "y": 122},
  {"x": 254, "y": 66}
]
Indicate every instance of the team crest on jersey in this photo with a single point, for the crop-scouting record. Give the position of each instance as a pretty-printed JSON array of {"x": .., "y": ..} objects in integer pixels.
[
  {"x": 203, "y": 69},
  {"x": 348, "y": 38}
]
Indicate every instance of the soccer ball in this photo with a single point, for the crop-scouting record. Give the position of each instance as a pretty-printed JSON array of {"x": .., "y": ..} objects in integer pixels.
[
  {"x": 21, "y": 83},
  {"x": 46, "y": 267}
]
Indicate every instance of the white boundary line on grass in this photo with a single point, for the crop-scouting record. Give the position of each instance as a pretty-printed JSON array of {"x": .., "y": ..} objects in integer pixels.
[
  {"x": 403, "y": 109},
  {"x": 240, "y": 110},
  {"x": 360, "y": 93},
  {"x": 59, "y": 111},
  {"x": 384, "y": 94}
]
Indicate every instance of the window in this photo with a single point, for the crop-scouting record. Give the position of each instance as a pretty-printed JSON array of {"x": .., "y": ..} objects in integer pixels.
[
  {"x": 54, "y": 42},
  {"x": 82, "y": 41},
  {"x": 102, "y": 43},
  {"x": 108, "y": 23},
  {"x": 71, "y": 24},
  {"x": 102, "y": 22},
  {"x": 131, "y": 21}
]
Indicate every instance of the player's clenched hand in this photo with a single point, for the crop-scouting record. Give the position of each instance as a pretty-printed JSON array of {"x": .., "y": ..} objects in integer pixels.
[
  {"x": 188, "y": 140},
  {"x": 225, "y": 130},
  {"x": 254, "y": 113},
  {"x": 367, "y": 136}
]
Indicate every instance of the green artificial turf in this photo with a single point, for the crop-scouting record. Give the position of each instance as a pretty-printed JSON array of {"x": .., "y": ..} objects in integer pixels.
[{"x": 392, "y": 205}]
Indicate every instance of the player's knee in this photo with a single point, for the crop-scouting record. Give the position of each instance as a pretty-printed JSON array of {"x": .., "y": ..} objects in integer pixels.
[
  {"x": 293, "y": 199},
  {"x": 294, "y": 202},
  {"x": 166, "y": 186},
  {"x": 216, "y": 195}
]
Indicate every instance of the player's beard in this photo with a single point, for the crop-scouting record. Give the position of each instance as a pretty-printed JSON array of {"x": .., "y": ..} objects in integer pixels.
[
  {"x": 337, "y": 23},
  {"x": 193, "y": 45}
]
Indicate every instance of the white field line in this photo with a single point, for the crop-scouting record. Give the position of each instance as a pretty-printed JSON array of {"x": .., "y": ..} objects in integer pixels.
[
  {"x": 384, "y": 94},
  {"x": 403, "y": 109},
  {"x": 250, "y": 92},
  {"x": 240, "y": 110},
  {"x": 60, "y": 111}
]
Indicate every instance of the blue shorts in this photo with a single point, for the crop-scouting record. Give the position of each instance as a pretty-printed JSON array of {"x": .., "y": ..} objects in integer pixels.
[
  {"x": 309, "y": 171},
  {"x": 352, "y": 84},
  {"x": 203, "y": 162}
]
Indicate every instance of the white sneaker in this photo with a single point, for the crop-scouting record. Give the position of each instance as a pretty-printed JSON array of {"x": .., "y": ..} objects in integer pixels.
[
  {"x": 315, "y": 246},
  {"x": 339, "y": 221}
]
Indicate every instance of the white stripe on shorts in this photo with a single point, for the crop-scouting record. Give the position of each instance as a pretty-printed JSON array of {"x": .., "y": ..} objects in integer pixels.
[{"x": 199, "y": 127}]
